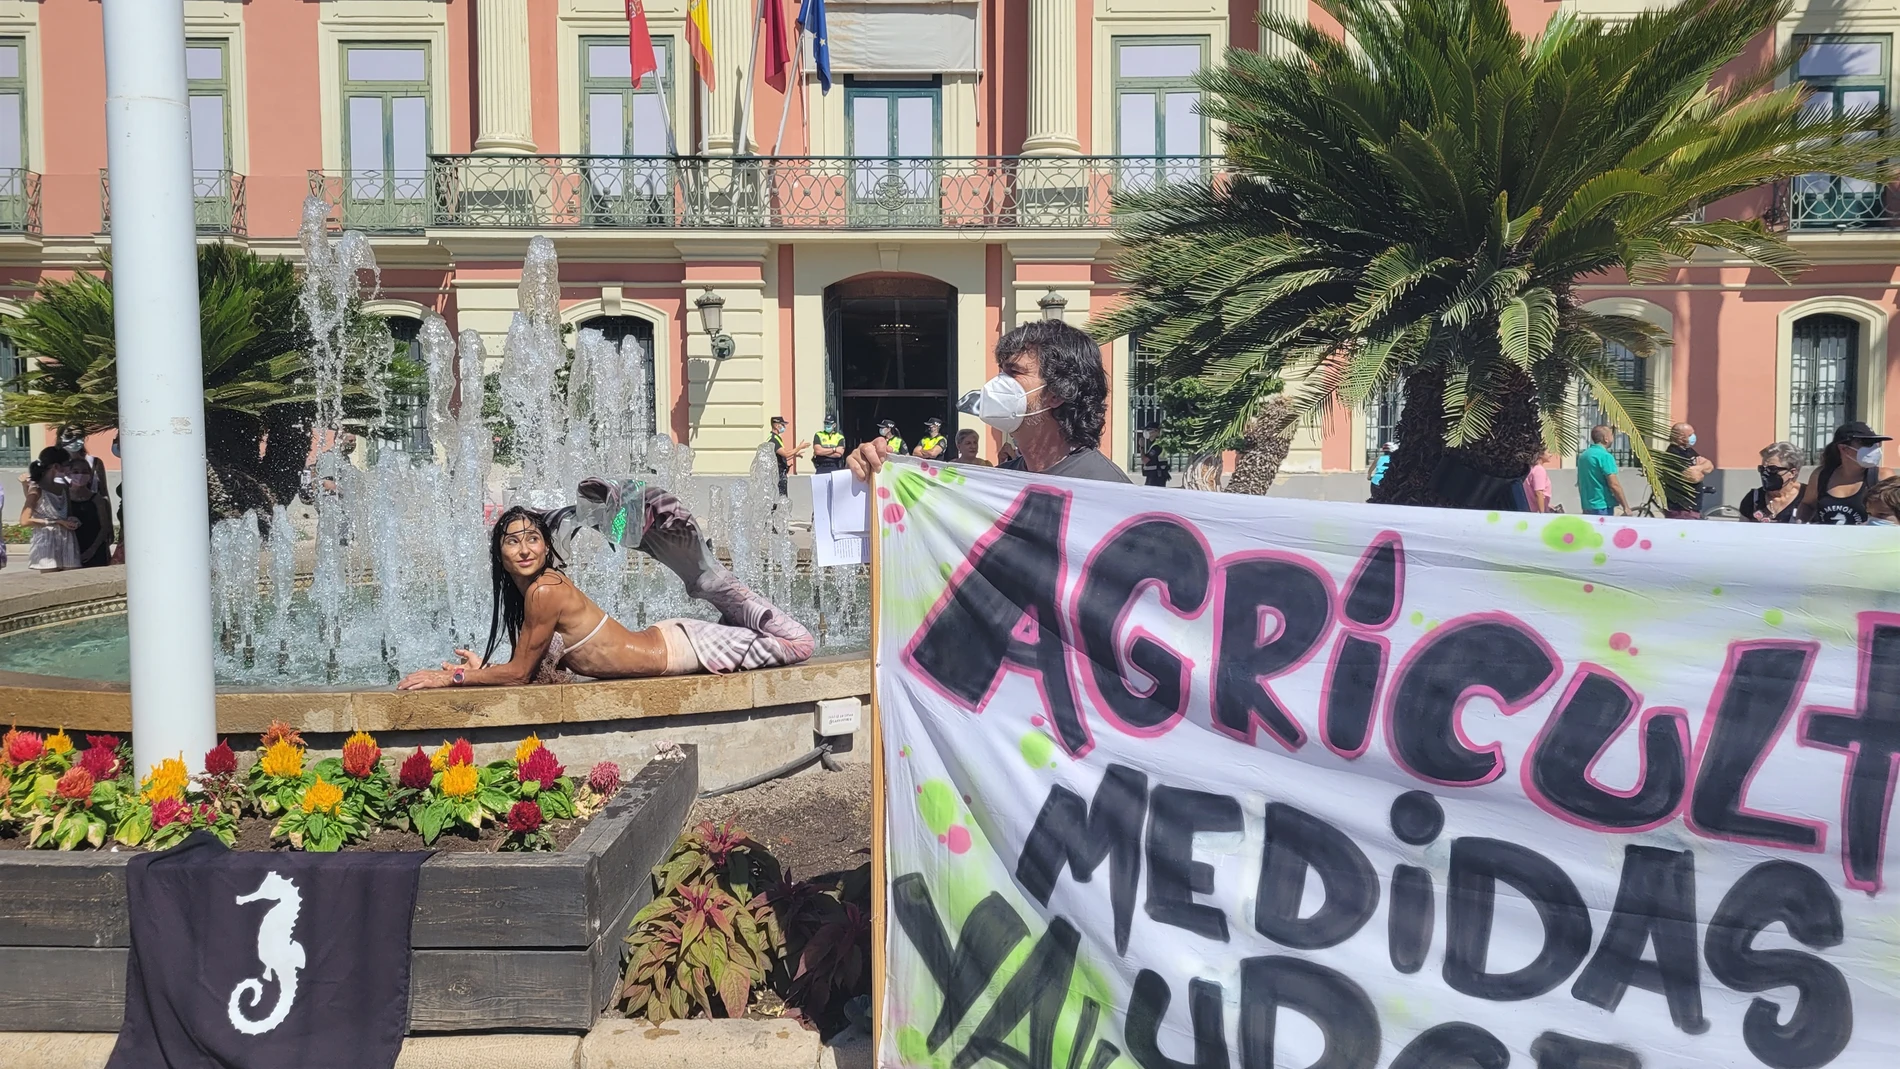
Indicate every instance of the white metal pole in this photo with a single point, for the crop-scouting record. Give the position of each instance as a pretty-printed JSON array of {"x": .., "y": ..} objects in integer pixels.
[
  {"x": 795, "y": 86},
  {"x": 161, "y": 383},
  {"x": 740, "y": 132}
]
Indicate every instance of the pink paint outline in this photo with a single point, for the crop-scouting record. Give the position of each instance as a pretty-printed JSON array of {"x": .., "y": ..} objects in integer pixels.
[
  {"x": 1122, "y": 650},
  {"x": 1706, "y": 729},
  {"x": 1378, "y": 690},
  {"x": 962, "y": 573},
  {"x": 1398, "y": 582},
  {"x": 1636, "y": 717},
  {"x": 1495, "y": 749},
  {"x": 1219, "y": 600},
  {"x": 1863, "y": 648}
]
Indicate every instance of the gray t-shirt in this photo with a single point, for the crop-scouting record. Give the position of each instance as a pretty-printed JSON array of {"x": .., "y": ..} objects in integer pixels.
[{"x": 1083, "y": 464}]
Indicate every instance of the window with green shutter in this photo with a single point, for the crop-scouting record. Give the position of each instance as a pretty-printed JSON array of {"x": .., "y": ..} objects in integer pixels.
[
  {"x": 13, "y": 148},
  {"x": 1159, "y": 130},
  {"x": 207, "y": 83},
  {"x": 1844, "y": 73},
  {"x": 385, "y": 134},
  {"x": 894, "y": 130},
  {"x": 625, "y": 133}
]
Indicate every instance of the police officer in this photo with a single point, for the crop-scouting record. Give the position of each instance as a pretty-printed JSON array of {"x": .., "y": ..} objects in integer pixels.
[
  {"x": 933, "y": 444},
  {"x": 827, "y": 448},
  {"x": 887, "y": 432},
  {"x": 788, "y": 453}
]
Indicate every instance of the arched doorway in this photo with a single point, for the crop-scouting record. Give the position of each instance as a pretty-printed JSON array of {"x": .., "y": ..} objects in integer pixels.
[
  {"x": 892, "y": 349},
  {"x": 1824, "y": 369},
  {"x": 617, "y": 329}
]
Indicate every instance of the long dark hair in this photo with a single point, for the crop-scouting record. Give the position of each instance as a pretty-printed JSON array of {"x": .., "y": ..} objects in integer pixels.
[
  {"x": 51, "y": 457},
  {"x": 511, "y": 607}
]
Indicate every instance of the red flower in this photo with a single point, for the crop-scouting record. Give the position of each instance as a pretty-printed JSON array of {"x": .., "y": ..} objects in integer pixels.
[
  {"x": 219, "y": 760},
  {"x": 604, "y": 777},
  {"x": 100, "y": 762},
  {"x": 206, "y": 814},
  {"x": 416, "y": 771},
  {"x": 169, "y": 811},
  {"x": 108, "y": 743},
  {"x": 76, "y": 785},
  {"x": 24, "y": 746},
  {"x": 540, "y": 766},
  {"x": 361, "y": 756},
  {"x": 523, "y": 817},
  {"x": 462, "y": 752}
]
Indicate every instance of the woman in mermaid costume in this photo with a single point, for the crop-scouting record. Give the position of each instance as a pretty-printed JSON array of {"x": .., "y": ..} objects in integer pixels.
[{"x": 557, "y": 633}]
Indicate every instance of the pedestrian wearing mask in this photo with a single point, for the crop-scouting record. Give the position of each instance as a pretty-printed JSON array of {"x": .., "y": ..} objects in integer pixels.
[
  {"x": 1883, "y": 504},
  {"x": 932, "y": 445},
  {"x": 1849, "y": 469},
  {"x": 44, "y": 510},
  {"x": 1685, "y": 501},
  {"x": 1778, "y": 498},
  {"x": 827, "y": 448},
  {"x": 87, "y": 500}
]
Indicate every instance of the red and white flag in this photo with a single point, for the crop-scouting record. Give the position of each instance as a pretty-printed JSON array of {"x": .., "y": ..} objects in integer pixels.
[{"x": 639, "y": 42}]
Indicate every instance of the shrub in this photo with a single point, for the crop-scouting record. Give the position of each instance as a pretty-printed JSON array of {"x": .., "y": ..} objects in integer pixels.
[{"x": 702, "y": 935}]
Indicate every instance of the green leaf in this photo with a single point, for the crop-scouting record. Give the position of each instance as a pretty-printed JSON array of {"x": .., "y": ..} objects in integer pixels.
[
  {"x": 429, "y": 819},
  {"x": 134, "y": 829}
]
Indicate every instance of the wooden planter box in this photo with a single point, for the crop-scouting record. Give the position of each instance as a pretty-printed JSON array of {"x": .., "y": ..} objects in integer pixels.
[{"x": 503, "y": 942}]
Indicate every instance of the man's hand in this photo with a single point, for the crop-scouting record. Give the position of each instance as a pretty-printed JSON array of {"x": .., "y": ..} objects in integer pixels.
[{"x": 868, "y": 459}]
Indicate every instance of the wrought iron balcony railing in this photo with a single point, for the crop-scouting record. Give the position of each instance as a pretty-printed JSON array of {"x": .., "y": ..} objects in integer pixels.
[
  {"x": 1820, "y": 202},
  {"x": 19, "y": 201},
  {"x": 794, "y": 193},
  {"x": 217, "y": 202}
]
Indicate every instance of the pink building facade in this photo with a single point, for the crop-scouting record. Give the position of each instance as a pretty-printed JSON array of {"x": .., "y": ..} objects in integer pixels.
[{"x": 953, "y": 182}]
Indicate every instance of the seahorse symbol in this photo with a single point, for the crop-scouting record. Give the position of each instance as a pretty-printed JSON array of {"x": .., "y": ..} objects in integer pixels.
[{"x": 282, "y": 956}]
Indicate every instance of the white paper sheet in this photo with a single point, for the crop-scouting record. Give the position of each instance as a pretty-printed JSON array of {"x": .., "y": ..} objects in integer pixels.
[{"x": 840, "y": 520}]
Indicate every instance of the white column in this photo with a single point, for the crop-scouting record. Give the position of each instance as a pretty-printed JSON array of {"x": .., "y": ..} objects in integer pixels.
[
  {"x": 733, "y": 23},
  {"x": 1272, "y": 44},
  {"x": 505, "y": 115},
  {"x": 1052, "y": 89},
  {"x": 161, "y": 383}
]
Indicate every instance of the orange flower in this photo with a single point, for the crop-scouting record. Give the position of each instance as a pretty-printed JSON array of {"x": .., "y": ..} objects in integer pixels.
[
  {"x": 280, "y": 732},
  {"x": 284, "y": 760},
  {"x": 459, "y": 781},
  {"x": 168, "y": 779},
  {"x": 360, "y": 755},
  {"x": 526, "y": 748},
  {"x": 321, "y": 797}
]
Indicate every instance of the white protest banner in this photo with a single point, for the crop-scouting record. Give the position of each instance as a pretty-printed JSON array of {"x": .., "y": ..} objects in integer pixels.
[{"x": 1199, "y": 781}]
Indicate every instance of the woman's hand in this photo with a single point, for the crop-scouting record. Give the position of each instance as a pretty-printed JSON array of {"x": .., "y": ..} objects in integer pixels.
[
  {"x": 427, "y": 679},
  {"x": 468, "y": 663},
  {"x": 69, "y": 524}
]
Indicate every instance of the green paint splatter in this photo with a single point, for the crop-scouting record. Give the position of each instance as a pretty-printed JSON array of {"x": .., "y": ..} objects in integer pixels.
[
  {"x": 1523, "y": 525},
  {"x": 909, "y": 487},
  {"x": 1432, "y": 625},
  {"x": 938, "y": 804},
  {"x": 912, "y": 1047},
  {"x": 1037, "y": 749},
  {"x": 950, "y": 477},
  {"x": 945, "y": 568},
  {"x": 1568, "y": 534},
  {"x": 1774, "y": 617},
  {"x": 1717, "y": 591},
  {"x": 1492, "y": 517},
  {"x": 1600, "y": 558},
  {"x": 1418, "y": 619}
]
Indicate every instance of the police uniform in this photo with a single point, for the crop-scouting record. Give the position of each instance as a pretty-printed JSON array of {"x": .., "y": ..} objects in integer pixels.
[
  {"x": 828, "y": 439},
  {"x": 932, "y": 441},
  {"x": 892, "y": 440}
]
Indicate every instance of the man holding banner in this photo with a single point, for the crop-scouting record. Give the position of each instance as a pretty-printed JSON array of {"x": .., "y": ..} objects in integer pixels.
[
  {"x": 1050, "y": 396},
  {"x": 1194, "y": 781}
]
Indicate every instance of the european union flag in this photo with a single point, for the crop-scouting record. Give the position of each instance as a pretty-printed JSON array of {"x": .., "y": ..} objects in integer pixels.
[{"x": 811, "y": 17}]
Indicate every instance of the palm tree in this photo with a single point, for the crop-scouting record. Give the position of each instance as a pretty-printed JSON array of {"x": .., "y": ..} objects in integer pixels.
[
  {"x": 1417, "y": 207},
  {"x": 257, "y": 387}
]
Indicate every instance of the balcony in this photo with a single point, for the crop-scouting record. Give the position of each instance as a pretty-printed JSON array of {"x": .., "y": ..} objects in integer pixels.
[
  {"x": 217, "y": 203},
  {"x": 1820, "y": 202},
  {"x": 749, "y": 193},
  {"x": 19, "y": 201}
]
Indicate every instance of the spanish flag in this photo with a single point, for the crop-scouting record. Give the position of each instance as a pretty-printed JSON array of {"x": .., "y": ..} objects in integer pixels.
[{"x": 699, "y": 39}]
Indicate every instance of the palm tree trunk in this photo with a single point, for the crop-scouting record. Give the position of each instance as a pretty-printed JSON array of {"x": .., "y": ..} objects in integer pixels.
[
  {"x": 1264, "y": 448},
  {"x": 1424, "y": 465}
]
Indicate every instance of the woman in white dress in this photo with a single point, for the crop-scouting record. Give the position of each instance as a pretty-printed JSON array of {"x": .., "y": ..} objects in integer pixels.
[{"x": 54, "y": 546}]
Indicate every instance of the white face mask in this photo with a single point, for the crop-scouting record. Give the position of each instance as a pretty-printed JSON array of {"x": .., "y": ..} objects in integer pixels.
[
  {"x": 1868, "y": 456},
  {"x": 1002, "y": 403}
]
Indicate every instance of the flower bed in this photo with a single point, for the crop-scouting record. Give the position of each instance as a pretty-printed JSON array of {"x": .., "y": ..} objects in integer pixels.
[{"x": 528, "y": 940}]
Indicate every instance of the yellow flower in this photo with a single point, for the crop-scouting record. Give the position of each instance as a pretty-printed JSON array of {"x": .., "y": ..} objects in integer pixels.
[
  {"x": 439, "y": 760},
  {"x": 459, "y": 781},
  {"x": 167, "y": 780},
  {"x": 322, "y": 797},
  {"x": 59, "y": 742},
  {"x": 283, "y": 760},
  {"x": 526, "y": 748}
]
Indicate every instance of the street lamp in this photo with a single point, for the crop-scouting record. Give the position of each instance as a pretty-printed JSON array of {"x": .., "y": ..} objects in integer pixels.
[
  {"x": 712, "y": 316},
  {"x": 1053, "y": 304}
]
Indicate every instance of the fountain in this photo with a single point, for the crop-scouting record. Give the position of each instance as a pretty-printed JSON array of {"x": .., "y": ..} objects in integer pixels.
[{"x": 398, "y": 575}]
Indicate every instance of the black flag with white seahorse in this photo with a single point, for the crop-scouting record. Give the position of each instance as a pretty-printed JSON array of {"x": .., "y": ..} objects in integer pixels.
[{"x": 274, "y": 960}]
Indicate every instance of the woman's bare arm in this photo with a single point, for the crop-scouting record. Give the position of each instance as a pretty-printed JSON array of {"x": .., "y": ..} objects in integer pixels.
[{"x": 547, "y": 600}]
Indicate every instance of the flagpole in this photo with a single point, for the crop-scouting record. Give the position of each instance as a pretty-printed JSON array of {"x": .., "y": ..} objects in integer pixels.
[
  {"x": 666, "y": 109},
  {"x": 795, "y": 86},
  {"x": 751, "y": 82}
]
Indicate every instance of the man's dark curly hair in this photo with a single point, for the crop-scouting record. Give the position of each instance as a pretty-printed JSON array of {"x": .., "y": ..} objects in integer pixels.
[{"x": 1072, "y": 375}]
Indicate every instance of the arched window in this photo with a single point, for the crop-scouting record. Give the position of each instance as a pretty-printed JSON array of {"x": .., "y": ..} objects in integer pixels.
[
  {"x": 1633, "y": 375},
  {"x": 406, "y": 412},
  {"x": 617, "y": 329},
  {"x": 1822, "y": 373}
]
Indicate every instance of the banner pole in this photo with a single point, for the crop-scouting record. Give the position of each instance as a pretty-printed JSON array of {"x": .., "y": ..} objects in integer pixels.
[{"x": 880, "y": 904}]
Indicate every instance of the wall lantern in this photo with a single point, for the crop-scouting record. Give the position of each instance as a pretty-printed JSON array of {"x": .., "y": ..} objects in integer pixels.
[
  {"x": 712, "y": 317},
  {"x": 1052, "y": 305}
]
